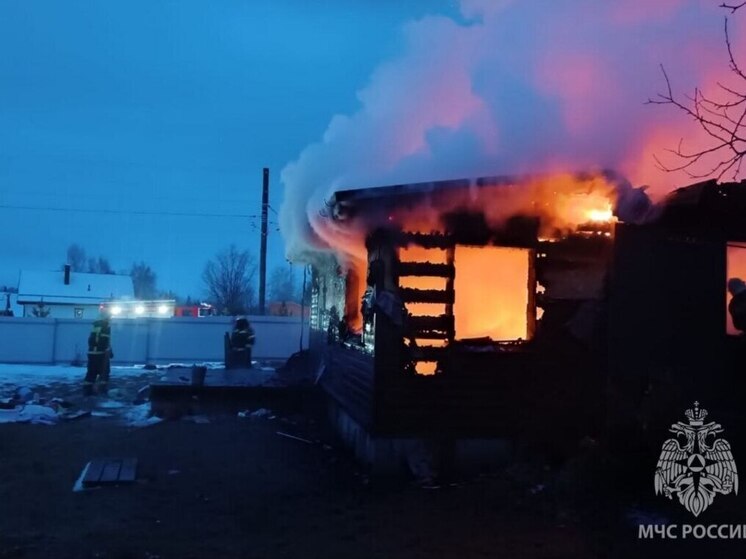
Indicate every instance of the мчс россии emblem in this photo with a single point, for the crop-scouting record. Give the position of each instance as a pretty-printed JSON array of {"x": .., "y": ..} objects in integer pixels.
[{"x": 696, "y": 465}]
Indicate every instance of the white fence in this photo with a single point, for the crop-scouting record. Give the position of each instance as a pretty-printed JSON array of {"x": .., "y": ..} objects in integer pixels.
[{"x": 146, "y": 340}]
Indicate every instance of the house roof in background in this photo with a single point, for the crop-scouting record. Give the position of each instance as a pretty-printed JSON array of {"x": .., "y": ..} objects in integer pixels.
[{"x": 33, "y": 287}]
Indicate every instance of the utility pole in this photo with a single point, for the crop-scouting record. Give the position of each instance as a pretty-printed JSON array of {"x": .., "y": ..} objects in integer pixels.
[{"x": 263, "y": 246}]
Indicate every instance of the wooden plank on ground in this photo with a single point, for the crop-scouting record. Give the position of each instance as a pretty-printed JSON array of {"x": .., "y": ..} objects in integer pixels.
[
  {"x": 110, "y": 473},
  {"x": 128, "y": 472},
  {"x": 93, "y": 474}
]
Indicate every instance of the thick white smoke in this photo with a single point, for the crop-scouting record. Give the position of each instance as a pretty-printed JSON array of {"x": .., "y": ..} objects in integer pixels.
[{"x": 514, "y": 88}]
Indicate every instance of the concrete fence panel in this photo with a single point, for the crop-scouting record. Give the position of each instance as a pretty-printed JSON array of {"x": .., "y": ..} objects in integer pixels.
[{"x": 146, "y": 340}]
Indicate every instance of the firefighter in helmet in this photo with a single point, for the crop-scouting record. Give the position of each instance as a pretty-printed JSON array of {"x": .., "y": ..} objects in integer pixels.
[
  {"x": 242, "y": 341},
  {"x": 737, "y": 305},
  {"x": 99, "y": 355}
]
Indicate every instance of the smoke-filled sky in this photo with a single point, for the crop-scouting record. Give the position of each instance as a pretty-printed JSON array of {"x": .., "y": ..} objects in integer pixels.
[
  {"x": 514, "y": 87},
  {"x": 139, "y": 129}
]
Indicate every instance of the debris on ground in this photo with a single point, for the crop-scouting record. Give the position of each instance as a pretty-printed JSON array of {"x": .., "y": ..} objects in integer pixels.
[
  {"x": 110, "y": 404},
  {"x": 60, "y": 403},
  {"x": 29, "y": 413},
  {"x": 289, "y": 436},
  {"x": 117, "y": 394},
  {"x": 140, "y": 416},
  {"x": 143, "y": 395},
  {"x": 7, "y": 403},
  {"x": 24, "y": 394},
  {"x": 72, "y": 415},
  {"x": 257, "y": 414}
]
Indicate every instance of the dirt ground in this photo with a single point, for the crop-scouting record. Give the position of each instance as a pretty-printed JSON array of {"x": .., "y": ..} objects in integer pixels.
[{"x": 233, "y": 487}]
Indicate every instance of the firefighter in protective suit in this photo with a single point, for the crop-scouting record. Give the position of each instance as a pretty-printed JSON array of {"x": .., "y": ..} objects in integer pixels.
[
  {"x": 737, "y": 305},
  {"x": 242, "y": 341},
  {"x": 99, "y": 354}
]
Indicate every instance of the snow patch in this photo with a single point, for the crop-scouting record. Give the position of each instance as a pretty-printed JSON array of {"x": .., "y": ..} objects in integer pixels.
[
  {"x": 30, "y": 413},
  {"x": 140, "y": 416}
]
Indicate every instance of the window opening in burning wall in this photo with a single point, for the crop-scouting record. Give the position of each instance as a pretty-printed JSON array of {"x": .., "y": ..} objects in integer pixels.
[
  {"x": 492, "y": 293},
  {"x": 482, "y": 291},
  {"x": 736, "y": 269}
]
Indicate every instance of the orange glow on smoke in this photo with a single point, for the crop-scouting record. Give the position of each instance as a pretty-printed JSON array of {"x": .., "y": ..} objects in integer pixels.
[
  {"x": 562, "y": 202},
  {"x": 491, "y": 292}
]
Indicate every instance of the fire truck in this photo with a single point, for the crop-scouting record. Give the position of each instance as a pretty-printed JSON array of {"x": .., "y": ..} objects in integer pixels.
[
  {"x": 162, "y": 308},
  {"x": 196, "y": 310}
]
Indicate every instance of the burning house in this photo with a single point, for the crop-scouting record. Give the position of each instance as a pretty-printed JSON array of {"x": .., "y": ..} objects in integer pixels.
[
  {"x": 462, "y": 309},
  {"x": 489, "y": 308}
]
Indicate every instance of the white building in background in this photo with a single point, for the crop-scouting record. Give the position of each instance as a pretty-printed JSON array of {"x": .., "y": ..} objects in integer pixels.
[{"x": 68, "y": 294}]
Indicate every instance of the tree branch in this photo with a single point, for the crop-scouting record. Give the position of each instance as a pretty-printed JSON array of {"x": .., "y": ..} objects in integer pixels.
[
  {"x": 723, "y": 120},
  {"x": 733, "y": 7}
]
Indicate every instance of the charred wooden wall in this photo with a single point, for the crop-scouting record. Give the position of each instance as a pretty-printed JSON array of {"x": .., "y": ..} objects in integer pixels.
[
  {"x": 494, "y": 395},
  {"x": 667, "y": 313},
  {"x": 346, "y": 375}
]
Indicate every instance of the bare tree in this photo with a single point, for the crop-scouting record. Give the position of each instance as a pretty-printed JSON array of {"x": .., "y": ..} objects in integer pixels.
[
  {"x": 143, "y": 281},
  {"x": 99, "y": 265},
  {"x": 723, "y": 119},
  {"x": 229, "y": 280},
  {"x": 282, "y": 284},
  {"x": 76, "y": 258}
]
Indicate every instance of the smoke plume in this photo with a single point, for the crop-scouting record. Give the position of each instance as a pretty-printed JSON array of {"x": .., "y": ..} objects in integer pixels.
[{"x": 513, "y": 88}]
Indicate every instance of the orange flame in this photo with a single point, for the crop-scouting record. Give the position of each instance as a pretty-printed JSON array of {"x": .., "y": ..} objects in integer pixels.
[{"x": 491, "y": 286}]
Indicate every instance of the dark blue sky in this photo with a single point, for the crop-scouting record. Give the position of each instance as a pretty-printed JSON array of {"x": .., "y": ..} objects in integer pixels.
[{"x": 116, "y": 116}]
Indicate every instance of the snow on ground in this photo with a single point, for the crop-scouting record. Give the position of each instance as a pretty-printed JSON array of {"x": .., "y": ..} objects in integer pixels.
[
  {"x": 45, "y": 384},
  {"x": 139, "y": 416},
  {"x": 12, "y": 376}
]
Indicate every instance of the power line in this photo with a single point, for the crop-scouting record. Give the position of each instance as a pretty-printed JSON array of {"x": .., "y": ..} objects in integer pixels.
[{"x": 133, "y": 212}]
